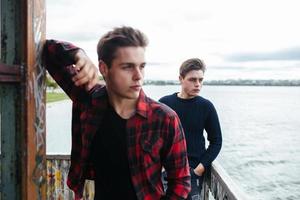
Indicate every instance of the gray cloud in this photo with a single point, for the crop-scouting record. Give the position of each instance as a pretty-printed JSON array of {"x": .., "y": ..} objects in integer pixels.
[
  {"x": 284, "y": 54},
  {"x": 84, "y": 35},
  {"x": 158, "y": 63},
  {"x": 256, "y": 68},
  {"x": 80, "y": 36}
]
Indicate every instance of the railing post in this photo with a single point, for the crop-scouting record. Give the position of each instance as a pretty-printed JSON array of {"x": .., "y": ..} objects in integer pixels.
[{"x": 206, "y": 185}]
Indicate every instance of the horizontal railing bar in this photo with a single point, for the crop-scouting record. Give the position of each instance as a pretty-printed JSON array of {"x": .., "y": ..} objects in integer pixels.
[
  {"x": 10, "y": 73},
  {"x": 58, "y": 156}
]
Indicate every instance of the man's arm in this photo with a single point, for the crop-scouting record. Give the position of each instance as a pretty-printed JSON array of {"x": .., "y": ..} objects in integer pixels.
[
  {"x": 70, "y": 67},
  {"x": 214, "y": 136},
  {"x": 176, "y": 162}
]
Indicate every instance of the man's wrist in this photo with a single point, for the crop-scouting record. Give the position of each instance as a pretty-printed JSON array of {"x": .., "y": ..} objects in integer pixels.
[
  {"x": 77, "y": 54},
  {"x": 199, "y": 170}
]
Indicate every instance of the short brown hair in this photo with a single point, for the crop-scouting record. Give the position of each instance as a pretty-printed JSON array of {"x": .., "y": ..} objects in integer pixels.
[
  {"x": 191, "y": 64},
  {"x": 119, "y": 37}
]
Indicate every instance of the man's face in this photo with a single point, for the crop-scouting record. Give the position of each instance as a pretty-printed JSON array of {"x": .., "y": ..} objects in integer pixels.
[
  {"x": 124, "y": 78},
  {"x": 191, "y": 83}
]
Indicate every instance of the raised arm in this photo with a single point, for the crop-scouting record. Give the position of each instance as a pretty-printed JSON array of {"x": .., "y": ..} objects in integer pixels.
[{"x": 71, "y": 68}]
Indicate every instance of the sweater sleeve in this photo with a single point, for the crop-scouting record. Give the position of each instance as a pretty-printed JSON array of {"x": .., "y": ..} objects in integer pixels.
[{"x": 214, "y": 136}]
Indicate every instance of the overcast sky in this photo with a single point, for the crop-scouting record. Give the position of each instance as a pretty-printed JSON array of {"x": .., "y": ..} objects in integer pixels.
[{"x": 237, "y": 39}]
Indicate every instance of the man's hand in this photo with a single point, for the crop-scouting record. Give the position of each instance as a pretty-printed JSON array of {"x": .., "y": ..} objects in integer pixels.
[
  {"x": 87, "y": 75},
  {"x": 199, "y": 170}
]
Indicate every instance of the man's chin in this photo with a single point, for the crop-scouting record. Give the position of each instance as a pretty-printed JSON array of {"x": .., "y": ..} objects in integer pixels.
[
  {"x": 194, "y": 94},
  {"x": 133, "y": 96}
]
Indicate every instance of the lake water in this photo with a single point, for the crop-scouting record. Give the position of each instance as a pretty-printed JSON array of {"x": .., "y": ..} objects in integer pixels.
[{"x": 261, "y": 135}]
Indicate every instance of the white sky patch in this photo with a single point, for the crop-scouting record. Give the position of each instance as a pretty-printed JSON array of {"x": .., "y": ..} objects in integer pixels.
[{"x": 178, "y": 30}]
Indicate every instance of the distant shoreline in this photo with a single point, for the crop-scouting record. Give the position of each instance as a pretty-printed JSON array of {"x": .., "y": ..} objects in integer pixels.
[{"x": 232, "y": 82}]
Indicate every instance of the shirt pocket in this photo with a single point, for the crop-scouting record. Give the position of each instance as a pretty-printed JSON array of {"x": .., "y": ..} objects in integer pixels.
[
  {"x": 151, "y": 146},
  {"x": 151, "y": 161}
]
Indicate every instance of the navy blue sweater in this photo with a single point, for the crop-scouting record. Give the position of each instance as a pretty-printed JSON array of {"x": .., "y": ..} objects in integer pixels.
[{"x": 196, "y": 115}]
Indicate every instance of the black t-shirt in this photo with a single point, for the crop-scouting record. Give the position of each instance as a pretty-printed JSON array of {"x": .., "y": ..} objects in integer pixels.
[{"x": 109, "y": 154}]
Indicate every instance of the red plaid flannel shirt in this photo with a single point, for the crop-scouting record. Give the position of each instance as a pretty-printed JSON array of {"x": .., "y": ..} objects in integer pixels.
[{"x": 155, "y": 136}]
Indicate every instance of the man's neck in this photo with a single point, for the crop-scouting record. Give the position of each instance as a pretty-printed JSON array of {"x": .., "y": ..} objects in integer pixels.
[
  {"x": 183, "y": 95},
  {"x": 124, "y": 107}
]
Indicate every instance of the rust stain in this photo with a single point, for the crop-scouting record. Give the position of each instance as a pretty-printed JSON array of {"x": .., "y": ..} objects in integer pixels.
[{"x": 36, "y": 89}]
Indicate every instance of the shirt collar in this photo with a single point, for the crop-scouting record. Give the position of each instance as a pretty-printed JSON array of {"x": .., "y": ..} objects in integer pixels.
[{"x": 142, "y": 105}]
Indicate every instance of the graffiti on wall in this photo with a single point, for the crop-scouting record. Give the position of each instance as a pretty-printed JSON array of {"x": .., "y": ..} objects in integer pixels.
[
  {"x": 37, "y": 88},
  {"x": 57, "y": 173}
]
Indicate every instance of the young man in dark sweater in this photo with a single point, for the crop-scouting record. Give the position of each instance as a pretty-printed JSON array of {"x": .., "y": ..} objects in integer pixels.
[
  {"x": 196, "y": 115},
  {"x": 120, "y": 137}
]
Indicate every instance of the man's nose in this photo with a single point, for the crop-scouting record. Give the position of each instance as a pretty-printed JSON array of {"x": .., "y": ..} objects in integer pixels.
[{"x": 138, "y": 74}]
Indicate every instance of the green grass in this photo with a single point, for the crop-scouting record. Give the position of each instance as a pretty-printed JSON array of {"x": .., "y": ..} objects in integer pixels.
[{"x": 54, "y": 96}]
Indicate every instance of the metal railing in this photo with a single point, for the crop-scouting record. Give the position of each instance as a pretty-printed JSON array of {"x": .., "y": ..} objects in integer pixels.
[{"x": 217, "y": 185}]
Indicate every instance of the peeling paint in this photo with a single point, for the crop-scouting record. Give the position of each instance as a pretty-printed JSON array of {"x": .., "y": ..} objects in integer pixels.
[{"x": 57, "y": 189}]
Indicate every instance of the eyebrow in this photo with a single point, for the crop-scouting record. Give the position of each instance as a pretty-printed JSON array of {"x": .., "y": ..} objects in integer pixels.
[
  {"x": 195, "y": 78},
  {"x": 131, "y": 63}
]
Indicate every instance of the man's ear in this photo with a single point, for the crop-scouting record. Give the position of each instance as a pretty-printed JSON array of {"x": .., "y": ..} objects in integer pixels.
[
  {"x": 180, "y": 78},
  {"x": 103, "y": 68}
]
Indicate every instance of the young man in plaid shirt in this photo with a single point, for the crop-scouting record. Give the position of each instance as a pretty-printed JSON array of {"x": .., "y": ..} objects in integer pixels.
[{"x": 120, "y": 137}]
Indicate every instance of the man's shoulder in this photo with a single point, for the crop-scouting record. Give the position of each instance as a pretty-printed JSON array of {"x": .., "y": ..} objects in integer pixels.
[
  {"x": 204, "y": 100},
  {"x": 160, "y": 108},
  {"x": 94, "y": 97},
  {"x": 98, "y": 91},
  {"x": 167, "y": 98},
  {"x": 206, "y": 104}
]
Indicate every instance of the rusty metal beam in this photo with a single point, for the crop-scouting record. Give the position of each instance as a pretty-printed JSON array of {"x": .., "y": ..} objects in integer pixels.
[
  {"x": 34, "y": 142},
  {"x": 24, "y": 131},
  {"x": 9, "y": 111},
  {"x": 0, "y": 29},
  {"x": 10, "y": 74},
  {"x": 58, "y": 157},
  {"x": 10, "y": 100}
]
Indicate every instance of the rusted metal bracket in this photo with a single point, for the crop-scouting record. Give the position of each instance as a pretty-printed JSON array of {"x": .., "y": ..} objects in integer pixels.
[{"x": 10, "y": 73}]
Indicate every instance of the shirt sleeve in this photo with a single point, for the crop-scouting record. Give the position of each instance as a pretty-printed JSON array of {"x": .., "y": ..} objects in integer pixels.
[
  {"x": 214, "y": 136},
  {"x": 58, "y": 59},
  {"x": 176, "y": 162}
]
